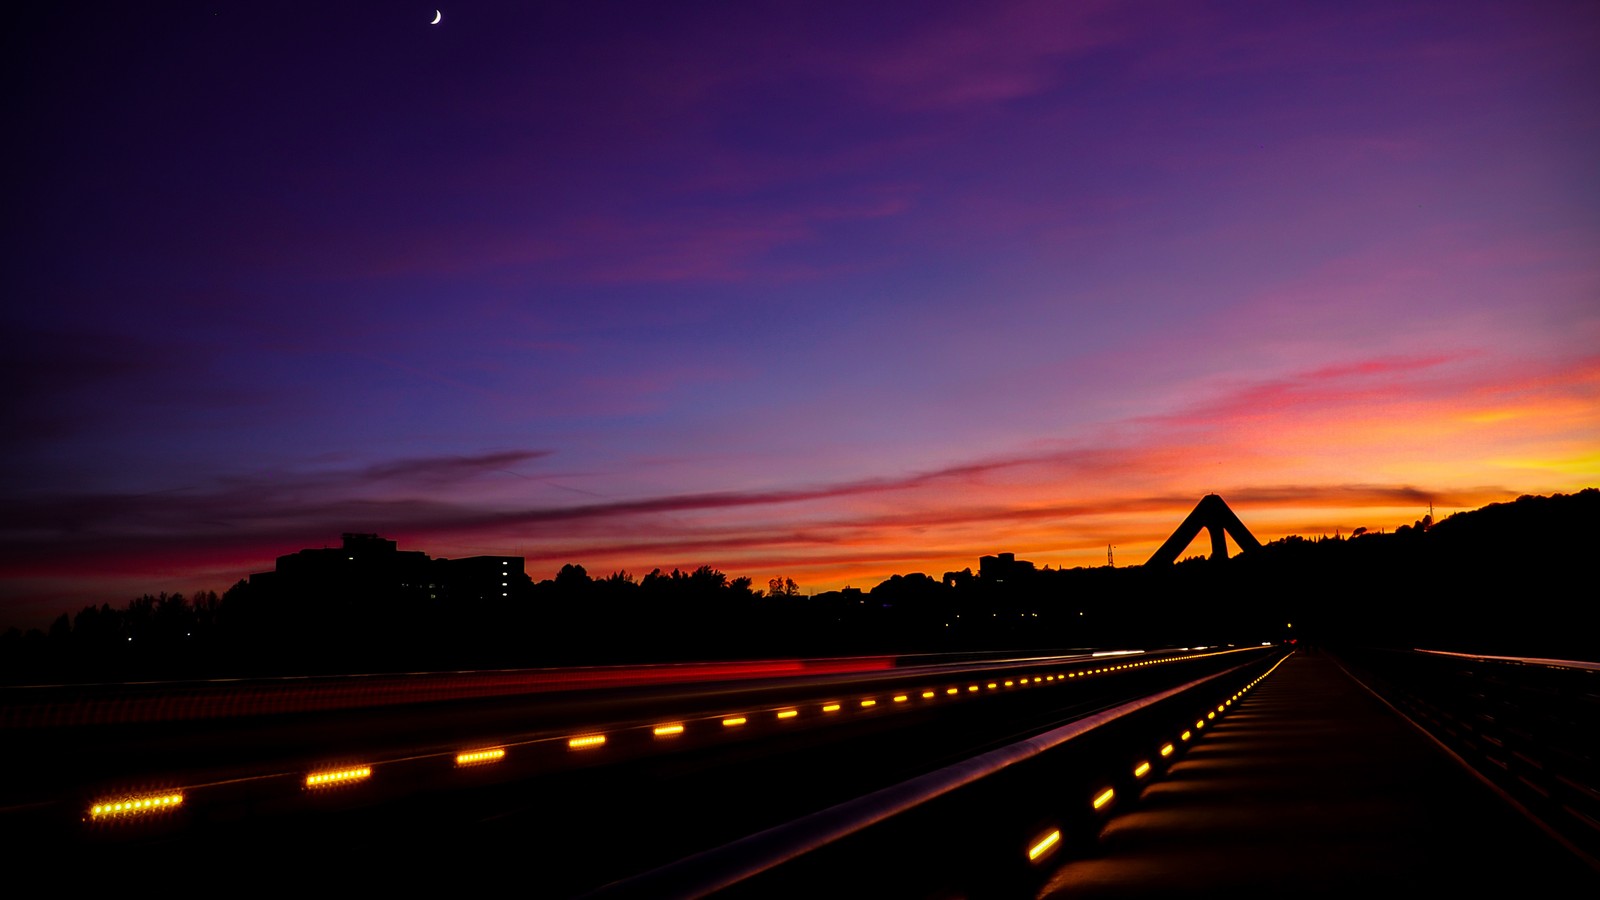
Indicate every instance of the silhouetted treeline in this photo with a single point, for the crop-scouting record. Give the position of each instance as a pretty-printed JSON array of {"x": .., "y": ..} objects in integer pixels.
[{"x": 1513, "y": 578}]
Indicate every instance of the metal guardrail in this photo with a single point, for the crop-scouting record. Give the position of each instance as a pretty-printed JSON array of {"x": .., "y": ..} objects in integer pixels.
[
  {"x": 980, "y": 826},
  {"x": 1531, "y": 727}
]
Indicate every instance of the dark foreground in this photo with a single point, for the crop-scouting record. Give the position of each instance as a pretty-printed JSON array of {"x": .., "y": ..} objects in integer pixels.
[{"x": 1299, "y": 779}]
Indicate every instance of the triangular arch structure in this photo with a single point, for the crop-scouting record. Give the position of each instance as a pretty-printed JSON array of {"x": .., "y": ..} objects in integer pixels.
[{"x": 1214, "y": 516}]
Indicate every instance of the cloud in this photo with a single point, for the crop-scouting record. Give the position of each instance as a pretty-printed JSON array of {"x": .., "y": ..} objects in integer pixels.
[
  {"x": 55, "y": 378},
  {"x": 236, "y": 512},
  {"x": 154, "y": 532},
  {"x": 1129, "y": 485},
  {"x": 987, "y": 54},
  {"x": 449, "y": 468}
]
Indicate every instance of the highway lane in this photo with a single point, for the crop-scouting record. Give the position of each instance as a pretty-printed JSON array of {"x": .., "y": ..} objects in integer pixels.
[
  {"x": 137, "y": 732},
  {"x": 583, "y": 815}
]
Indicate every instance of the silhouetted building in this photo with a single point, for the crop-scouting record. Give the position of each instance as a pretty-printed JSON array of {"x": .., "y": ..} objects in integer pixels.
[
  {"x": 481, "y": 577},
  {"x": 367, "y": 565},
  {"x": 1003, "y": 567}
]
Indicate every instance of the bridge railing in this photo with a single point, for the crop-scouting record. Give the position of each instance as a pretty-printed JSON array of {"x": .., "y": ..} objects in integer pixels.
[
  {"x": 1531, "y": 727},
  {"x": 985, "y": 826}
]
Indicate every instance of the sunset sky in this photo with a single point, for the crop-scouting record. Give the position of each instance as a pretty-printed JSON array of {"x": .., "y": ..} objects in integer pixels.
[{"x": 822, "y": 290}]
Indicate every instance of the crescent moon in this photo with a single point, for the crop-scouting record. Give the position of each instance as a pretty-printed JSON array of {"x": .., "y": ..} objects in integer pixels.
[{"x": 437, "y": 16}]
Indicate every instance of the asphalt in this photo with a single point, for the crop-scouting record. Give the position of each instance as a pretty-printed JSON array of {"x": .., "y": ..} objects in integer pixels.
[{"x": 1313, "y": 786}]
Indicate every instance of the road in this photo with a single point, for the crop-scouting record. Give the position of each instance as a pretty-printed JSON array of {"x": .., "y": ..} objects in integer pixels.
[{"x": 574, "y": 788}]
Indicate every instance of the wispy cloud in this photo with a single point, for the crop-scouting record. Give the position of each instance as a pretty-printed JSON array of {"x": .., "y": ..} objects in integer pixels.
[
  {"x": 444, "y": 469},
  {"x": 987, "y": 54},
  {"x": 1311, "y": 392}
]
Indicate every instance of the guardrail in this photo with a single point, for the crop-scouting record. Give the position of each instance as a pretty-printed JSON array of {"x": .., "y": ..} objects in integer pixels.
[
  {"x": 981, "y": 827},
  {"x": 1530, "y": 727}
]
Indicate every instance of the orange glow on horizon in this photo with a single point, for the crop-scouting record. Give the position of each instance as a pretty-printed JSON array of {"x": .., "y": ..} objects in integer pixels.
[{"x": 1308, "y": 449}]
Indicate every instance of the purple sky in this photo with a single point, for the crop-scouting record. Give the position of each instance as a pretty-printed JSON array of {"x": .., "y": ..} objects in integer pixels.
[{"x": 825, "y": 290}]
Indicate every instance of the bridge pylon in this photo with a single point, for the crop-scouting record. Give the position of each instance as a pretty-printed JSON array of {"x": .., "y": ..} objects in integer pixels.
[{"x": 1212, "y": 514}]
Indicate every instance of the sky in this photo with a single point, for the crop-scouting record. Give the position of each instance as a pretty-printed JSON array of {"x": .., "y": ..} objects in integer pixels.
[{"x": 821, "y": 290}]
